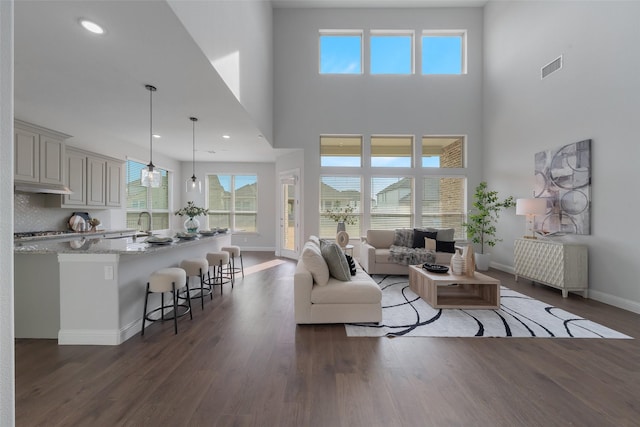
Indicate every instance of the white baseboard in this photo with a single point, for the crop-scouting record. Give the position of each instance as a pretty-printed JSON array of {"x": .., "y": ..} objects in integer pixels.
[
  {"x": 593, "y": 294},
  {"x": 88, "y": 337},
  {"x": 257, "y": 248}
]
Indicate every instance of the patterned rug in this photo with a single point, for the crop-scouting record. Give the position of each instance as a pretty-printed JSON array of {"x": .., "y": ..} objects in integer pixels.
[{"x": 406, "y": 314}]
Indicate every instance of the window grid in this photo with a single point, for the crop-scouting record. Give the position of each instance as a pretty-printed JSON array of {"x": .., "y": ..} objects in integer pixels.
[{"x": 232, "y": 200}]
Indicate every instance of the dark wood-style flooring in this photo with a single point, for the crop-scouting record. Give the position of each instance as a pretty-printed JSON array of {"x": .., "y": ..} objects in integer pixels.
[{"x": 244, "y": 362}]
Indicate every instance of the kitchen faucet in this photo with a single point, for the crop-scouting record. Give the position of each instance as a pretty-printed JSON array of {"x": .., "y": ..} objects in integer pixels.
[{"x": 148, "y": 230}]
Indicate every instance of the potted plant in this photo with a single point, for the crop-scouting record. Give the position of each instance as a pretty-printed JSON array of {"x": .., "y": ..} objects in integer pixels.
[
  {"x": 342, "y": 216},
  {"x": 481, "y": 222},
  {"x": 192, "y": 211}
]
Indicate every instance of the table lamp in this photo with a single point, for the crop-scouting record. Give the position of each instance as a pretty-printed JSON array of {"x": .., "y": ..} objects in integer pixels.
[{"x": 531, "y": 208}]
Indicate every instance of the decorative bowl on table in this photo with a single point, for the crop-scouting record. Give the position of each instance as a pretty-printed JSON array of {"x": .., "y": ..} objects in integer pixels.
[
  {"x": 186, "y": 236},
  {"x": 207, "y": 232},
  {"x": 435, "y": 268},
  {"x": 157, "y": 240}
]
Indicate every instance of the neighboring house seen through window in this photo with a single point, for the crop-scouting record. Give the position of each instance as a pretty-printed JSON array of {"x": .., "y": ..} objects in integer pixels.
[
  {"x": 141, "y": 199},
  {"x": 233, "y": 202}
]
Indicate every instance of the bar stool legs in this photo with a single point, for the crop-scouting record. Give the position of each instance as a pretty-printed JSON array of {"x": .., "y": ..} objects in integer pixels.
[
  {"x": 216, "y": 262},
  {"x": 161, "y": 281},
  {"x": 198, "y": 267},
  {"x": 234, "y": 253}
]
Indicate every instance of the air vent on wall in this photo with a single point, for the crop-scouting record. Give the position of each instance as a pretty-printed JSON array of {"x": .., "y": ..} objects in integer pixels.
[{"x": 551, "y": 67}]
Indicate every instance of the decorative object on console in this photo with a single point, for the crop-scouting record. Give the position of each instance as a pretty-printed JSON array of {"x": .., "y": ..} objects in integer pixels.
[
  {"x": 456, "y": 264},
  {"x": 563, "y": 178},
  {"x": 481, "y": 227},
  {"x": 343, "y": 216},
  {"x": 149, "y": 177},
  {"x": 469, "y": 265},
  {"x": 531, "y": 208},
  {"x": 342, "y": 239},
  {"x": 193, "y": 183},
  {"x": 192, "y": 211}
]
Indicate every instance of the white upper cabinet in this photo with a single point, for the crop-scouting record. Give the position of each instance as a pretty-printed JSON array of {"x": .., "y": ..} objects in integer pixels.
[{"x": 39, "y": 154}]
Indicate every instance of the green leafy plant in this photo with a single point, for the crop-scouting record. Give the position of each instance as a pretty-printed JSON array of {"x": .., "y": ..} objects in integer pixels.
[
  {"x": 481, "y": 223},
  {"x": 340, "y": 214},
  {"x": 191, "y": 210}
]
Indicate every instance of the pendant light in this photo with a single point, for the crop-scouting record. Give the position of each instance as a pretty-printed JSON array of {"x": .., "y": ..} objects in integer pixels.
[
  {"x": 193, "y": 183},
  {"x": 149, "y": 177}
]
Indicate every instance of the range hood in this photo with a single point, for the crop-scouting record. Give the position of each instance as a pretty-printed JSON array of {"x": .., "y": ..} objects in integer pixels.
[{"x": 39, "y": 187}]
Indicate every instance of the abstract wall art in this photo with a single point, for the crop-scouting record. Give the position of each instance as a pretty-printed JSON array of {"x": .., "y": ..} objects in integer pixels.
[{"x": 563, "y": 177}]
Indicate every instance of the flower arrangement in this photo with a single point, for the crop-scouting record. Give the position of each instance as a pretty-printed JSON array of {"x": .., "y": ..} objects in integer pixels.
[
  {"x": 339, "y": 214},
  {"x": 191, "y": 210}
]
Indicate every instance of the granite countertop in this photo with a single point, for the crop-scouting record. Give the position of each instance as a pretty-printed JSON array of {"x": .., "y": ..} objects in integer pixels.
[{"x": 95, "y": 243}]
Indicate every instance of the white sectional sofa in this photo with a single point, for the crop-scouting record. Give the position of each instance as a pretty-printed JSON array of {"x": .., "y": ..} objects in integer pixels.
[
  {"x": 375, "y": 254},
  {"x": 355, "y": 301}
]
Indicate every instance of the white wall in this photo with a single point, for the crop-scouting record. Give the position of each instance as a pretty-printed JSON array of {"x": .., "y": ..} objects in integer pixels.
[
  {"x": 308, "y": 104},
  {"x": 7, "y": 370},
  {"x": 594, "y": 95},
  {"x": 236, "y": 37}
]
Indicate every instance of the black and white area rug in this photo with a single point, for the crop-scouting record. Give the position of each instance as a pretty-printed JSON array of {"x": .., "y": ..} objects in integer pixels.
[{"x": 405, "y": 314}]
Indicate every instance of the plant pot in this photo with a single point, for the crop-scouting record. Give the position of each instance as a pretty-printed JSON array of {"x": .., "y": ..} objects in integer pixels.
[
  {"x": 192, "y": 225},
  {"x": 482, "y": 261}
]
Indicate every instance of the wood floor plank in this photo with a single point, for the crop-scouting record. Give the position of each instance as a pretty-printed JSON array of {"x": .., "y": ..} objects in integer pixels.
[{"x": 242, "y": 361}]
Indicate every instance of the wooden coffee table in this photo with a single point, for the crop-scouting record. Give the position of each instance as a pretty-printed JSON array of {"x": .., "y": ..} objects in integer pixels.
[{"x": 451, "y": 291}]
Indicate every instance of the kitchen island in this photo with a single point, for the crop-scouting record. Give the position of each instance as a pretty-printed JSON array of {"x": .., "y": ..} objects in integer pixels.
[{"x": 90, "y": 290}]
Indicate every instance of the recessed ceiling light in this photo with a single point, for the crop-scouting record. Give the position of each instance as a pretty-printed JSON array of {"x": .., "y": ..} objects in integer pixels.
[
  {"x": 156, "y": 136},
  {"x": 91, "y": 26},
  {"x": 226, "y": 136}
]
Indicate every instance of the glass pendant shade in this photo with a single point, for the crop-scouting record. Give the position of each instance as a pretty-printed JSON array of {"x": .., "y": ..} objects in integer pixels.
[
  {"x": 193, "y": 184},
  {"x": 149, "y": 177}
]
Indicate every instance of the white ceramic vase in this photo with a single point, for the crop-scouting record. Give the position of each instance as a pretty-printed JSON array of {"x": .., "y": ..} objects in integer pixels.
[{"x": 192, "y": 225}]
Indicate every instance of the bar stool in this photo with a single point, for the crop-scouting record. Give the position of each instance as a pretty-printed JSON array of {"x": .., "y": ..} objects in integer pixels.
[
  {"x": 197, "y": 267},
  {"x": 216, "y": 262},
  {"x": 167, "y": 280},
  {"x": 234, "y": 253}
]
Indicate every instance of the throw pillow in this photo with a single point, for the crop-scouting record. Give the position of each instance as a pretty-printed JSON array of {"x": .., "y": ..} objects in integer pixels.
[
  {"x": 444, "y": 234},
  {"x": 315, "y": 263},
  {"x": 336, "y": 261},
  {"x": 352, "y": 264},
  {"x": 403, "y": 237},
  {"x": 420, "y": 235},
  {"x": 315, "y": 240},
  {"x": 430, "y": 244},
  {"x": 449, "y": 247}
]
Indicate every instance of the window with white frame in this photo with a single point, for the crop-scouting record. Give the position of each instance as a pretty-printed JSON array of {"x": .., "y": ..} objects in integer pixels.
[
  {"x": 345, "y": 151},
  {"x": 391, "y": 202},
  {"x": 391, "y": 52},
  {"x": 392, "y": 151},
  {"x": 443, "y": 203},
  {"x": 340, "y": 52},
  {"x": 233, "y": 202},
  {"x": 340, "y": 194},
  {"x": 442, "y": 151},
  {"x": 444, "y": 52},
  {"x": 146, "y": 199}
]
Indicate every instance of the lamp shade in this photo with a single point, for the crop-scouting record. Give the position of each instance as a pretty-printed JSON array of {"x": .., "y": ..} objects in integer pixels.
[{"x": 535, "y": 206}]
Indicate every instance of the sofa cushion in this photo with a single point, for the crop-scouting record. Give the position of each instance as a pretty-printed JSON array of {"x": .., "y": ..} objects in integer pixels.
[
  {"x": 352, "y": 264},
  {"x": 315, "y": 239},
  {"x": 336, "y": 261},
  {"x": 361, "y": 290},
  {"x": 380, "y": 239},
  {"x": 382, "y": 256},
  {"x": 420, "y": 235},
  {"x": 315, "y": 263},
  {"x": 430, "y": 244},
  {"x": 403, "y": 237},
  {"x": 444, "y": 234},
  {"x": 448, "y": 247}
]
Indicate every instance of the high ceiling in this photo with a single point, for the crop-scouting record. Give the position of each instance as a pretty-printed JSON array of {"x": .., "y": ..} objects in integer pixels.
[{"x": 92, "y": 87}]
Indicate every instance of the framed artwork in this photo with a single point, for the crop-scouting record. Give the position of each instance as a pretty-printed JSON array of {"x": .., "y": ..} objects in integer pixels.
[{"x": 563, "y": 178}]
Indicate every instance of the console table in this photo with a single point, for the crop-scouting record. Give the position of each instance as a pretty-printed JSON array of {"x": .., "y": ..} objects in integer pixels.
[{"x": 560, "y": 265}]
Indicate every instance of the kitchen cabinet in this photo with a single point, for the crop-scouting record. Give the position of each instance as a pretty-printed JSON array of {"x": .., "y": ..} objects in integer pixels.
[
  {"x": 39, "y": 154},
  {"x": 96, "y": 180}
]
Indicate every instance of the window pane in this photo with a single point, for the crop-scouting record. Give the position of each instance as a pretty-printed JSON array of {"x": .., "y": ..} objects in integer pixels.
[
  {"x": 391, "y": 151},
  {"x": 343, "y": 151},
  {"x": 336, "y": 194},
  {"x": 246, "y": 222},
  {"x": 139, "y": 198},
  {"x": 443, "y": 204},
  {"x": 391, "y": 202},
  {"x": 219, "y": 189},
  {"x": 340, "y": 54},
  {"x": 442, "y": 54},
  {"x": 246, "y": 193},
  {"x": 219, "y": 220},
  {"x": 233, "y": 202},
  {"x": 391, "y": 54},
  {"x": 442, "y": 152}
]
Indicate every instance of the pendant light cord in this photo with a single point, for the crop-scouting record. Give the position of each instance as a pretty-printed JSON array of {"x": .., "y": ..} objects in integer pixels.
[
  {"x": 193, "y": 163},
  {"x": 151, "y": 90}
]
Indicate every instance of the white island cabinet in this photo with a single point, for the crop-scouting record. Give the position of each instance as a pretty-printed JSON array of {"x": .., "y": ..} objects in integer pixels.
[{"x": 93, "y": 294}]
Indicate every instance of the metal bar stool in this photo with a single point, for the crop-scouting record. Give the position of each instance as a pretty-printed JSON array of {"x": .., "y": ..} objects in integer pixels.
[
  {"x": 234, "y": 253},
  {"x": 167, "y": 280},
  {"x": 217, "y": 260},
  {"x": 197, "y": 267}
]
